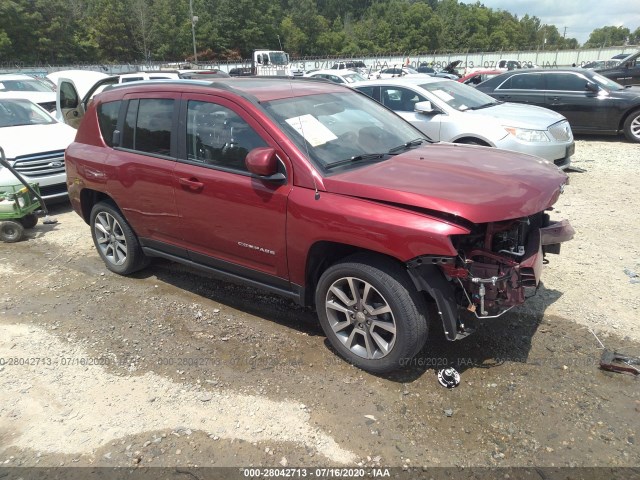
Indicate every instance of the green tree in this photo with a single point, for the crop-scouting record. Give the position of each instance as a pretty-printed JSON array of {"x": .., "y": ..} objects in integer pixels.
[
  {"x": 608, "y": 36},
  {"x": 20, "y": 26}
]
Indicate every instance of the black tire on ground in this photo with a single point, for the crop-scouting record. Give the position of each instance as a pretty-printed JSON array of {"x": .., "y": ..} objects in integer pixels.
[
  {"x": 115, "y": 241},
  {"x": 371, "y": 312},
  {"x": 632, "y": 127},
  {"x": 29, "y": 221},
  {"x": 11, "y": 231}
]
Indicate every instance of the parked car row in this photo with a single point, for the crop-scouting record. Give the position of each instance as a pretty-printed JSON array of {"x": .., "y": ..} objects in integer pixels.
[{"x": 588, "y": 101}]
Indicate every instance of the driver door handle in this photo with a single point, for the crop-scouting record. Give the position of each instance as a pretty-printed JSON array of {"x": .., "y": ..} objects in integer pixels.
[{"x": 191, "y": 183}]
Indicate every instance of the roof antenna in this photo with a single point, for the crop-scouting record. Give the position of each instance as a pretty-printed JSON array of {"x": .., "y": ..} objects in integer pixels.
[{"x": 317, "y": 195}]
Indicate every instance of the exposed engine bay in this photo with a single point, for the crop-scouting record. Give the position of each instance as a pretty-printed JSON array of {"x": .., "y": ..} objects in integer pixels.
[{"x": 497, "y": 265}]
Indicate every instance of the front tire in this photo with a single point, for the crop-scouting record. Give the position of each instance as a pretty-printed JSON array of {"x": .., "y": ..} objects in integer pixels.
[
  {"x": 11, "y": 231},
  {"x": 632, "y": 127},
  {"x": 115, "y": 241},
  {"x": 371, "y": 313}
]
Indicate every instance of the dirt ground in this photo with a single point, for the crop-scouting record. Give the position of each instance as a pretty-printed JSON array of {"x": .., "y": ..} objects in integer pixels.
[{"x": 172, "y": 368}]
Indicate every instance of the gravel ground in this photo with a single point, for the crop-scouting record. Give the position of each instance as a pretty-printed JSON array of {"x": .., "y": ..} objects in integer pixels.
[{"x": 172, "y": 368}]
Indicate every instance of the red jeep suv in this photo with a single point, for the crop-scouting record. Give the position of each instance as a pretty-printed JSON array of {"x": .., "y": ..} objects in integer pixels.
[{"x": 315, "y": 192}]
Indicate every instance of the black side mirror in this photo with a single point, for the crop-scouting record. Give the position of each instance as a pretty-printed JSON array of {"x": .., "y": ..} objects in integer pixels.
[{"x": 591, "y": 87}]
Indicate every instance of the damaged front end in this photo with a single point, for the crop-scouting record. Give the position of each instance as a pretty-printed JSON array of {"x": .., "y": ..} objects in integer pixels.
[{"x": 497, "y": 265}]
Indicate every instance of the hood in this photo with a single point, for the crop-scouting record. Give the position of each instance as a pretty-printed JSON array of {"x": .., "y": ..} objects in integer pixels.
[
  {"x": 18, "y": 141},
  {"x": 519, "y": 115},
  {"x": 479, "y": 184},
  {"x": 629, "y": 92},
  {"x": 451, "y": 66}
]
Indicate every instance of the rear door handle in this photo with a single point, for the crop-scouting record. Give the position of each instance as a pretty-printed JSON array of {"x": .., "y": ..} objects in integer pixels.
[
  {"x": 555, "y": 99},
  {"x": 191, "y": 183}
]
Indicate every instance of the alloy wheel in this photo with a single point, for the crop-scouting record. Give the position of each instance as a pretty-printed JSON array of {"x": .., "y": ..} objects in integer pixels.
[
  {"x": 110, "y": 238},
  {"x": 360, "y": 318}
]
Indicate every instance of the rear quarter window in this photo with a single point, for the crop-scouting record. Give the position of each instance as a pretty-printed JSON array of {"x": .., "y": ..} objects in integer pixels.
[
  {"x": 525, "y": 81},
  {"x": 108, "y": 120},
  {"x": 148, "y": 125}
]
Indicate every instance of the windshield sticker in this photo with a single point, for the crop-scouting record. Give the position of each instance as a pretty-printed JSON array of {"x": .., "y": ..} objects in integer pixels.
[
  {"x": 311, "y": 129},
  {"x": 442, "y": 95}
]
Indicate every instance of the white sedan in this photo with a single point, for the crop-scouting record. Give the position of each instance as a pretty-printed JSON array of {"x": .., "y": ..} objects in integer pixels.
[
  {"x": 393, "y": 72},
  {"x": 337, "y": 76},
  {"x": 449, "y": 111},
  {"x": 34, "y": 144}
]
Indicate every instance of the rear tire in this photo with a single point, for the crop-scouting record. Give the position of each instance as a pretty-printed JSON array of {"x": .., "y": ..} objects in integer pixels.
[
  {"x": 371, "y": 313},
  {"x": 11, "y": 231},
  {"x": 632, "y": 127},
  {"x": 29, "y": 221},
  {"x": 115, "y": 241}
]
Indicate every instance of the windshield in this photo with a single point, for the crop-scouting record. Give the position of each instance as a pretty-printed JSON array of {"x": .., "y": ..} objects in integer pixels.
[
  {"x": 278, "y": 58},
  {"x": 457, "y": 95},
  {"x": 30, "y": 85},
  {"x": 606, "y": 83},
  {"x": 333, "y": 128},
  {"x": 410, "y": 70},
  {"x": 15, "y": 112}
]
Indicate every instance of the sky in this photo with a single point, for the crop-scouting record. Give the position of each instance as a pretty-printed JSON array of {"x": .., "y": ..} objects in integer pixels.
[{"x": 580, "y": 17}]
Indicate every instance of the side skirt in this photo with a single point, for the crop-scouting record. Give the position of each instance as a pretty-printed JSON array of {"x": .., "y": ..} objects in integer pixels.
[{"x": 296, "y": 293}]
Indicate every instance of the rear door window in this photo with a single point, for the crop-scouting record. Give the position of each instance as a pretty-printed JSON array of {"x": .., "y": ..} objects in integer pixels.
[{"x": 566, "y": 82}]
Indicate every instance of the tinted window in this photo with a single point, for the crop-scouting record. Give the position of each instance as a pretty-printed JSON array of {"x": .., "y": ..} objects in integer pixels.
[
  {"x": 68, "y": 96},
  {"x": 566, "y": 81},
  {"x": 525, "y": 81},
  {"x": 367, "y": 91},
  {"x": 400, "y": 99},
  {"x": 148, "y": 125},
  {"x": 218, "y": 136},
  {"x": 108, "y": 120}
]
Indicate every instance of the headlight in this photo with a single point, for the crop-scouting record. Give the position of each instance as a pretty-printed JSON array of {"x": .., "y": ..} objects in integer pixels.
[{"x": 527, "y": 135}]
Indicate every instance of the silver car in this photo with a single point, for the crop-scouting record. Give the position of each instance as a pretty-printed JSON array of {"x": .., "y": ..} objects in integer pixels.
[{"x": 449, "y": 111}]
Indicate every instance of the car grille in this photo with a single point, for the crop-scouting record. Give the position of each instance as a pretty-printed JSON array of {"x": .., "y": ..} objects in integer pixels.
[
  {"x": 41, "y": 164},
  {"x": 561, "y": 131}
]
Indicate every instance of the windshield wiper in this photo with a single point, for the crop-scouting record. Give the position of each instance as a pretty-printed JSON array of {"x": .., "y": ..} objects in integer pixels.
[
  {"x": 484, "y": 105},
  {"x": 405, "y": 146},
  {"x": 356, "y": 158}
]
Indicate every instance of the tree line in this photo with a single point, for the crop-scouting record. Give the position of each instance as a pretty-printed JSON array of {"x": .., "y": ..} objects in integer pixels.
[{"x": 71, "y": 31}]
